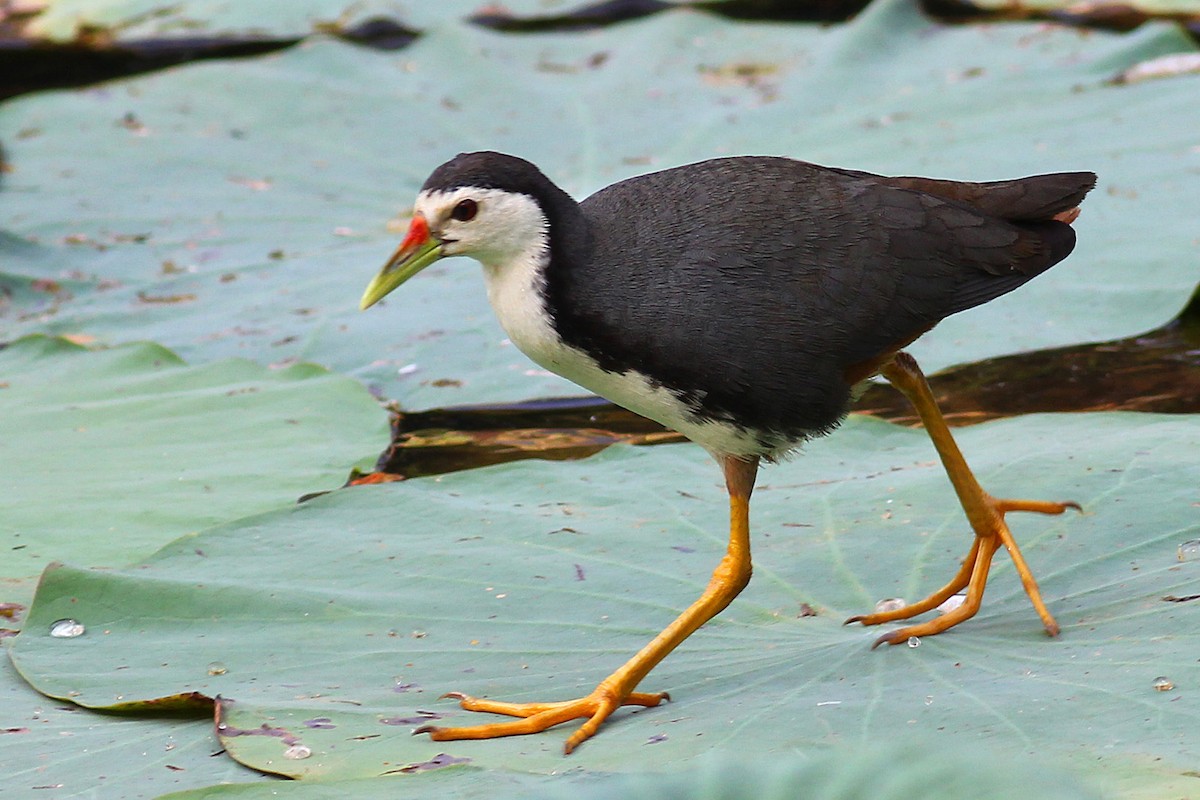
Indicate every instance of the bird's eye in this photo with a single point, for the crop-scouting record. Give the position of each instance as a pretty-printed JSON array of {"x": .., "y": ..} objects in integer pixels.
[{"x": 465, "y": 210}]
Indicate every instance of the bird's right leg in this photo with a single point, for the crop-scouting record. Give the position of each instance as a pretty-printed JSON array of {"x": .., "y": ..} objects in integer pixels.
[{"x": 984, "y": 512}]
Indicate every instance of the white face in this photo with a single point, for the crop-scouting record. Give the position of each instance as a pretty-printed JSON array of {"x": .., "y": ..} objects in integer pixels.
[{"x": 495, "y": 227}]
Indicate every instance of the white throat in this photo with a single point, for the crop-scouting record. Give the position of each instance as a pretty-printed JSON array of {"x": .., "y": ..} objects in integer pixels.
[
  {"x": 515, "y": 291},
  {"x": 510, "y": 237}
]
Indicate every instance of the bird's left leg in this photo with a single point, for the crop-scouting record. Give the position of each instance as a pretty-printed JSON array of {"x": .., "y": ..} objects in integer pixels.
[
  {"x": 728, "y": 580},
  {"x": 984, "y": 512}
]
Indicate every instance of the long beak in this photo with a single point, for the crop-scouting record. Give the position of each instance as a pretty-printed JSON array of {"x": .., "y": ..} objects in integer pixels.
[{"x": 418, "y": 250}]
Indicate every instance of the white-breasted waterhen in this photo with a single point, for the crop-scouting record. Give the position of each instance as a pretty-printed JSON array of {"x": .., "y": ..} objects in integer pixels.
[{"x": 739, "y": 301}]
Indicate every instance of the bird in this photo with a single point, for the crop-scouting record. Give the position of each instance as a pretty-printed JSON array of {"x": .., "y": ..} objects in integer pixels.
[{"x": 742, "y": 301}]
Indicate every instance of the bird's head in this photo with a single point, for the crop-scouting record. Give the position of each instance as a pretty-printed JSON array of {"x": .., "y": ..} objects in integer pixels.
[{"x": 482, "y": 205}]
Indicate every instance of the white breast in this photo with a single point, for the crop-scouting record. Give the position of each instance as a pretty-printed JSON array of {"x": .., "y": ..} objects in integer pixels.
[{"x": 514, "y": 290}]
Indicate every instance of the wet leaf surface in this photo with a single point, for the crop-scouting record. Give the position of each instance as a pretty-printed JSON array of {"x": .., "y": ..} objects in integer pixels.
[
  {"x": 886, "y": 772},
  {"x": 532, "y": 580},
  {"x": 266, "y": 215},
  {"x": 107, "y": 455},
  {"x": 54, "y": 749},
  {"x": 62, "y": 44},
  {"x": 225, "y": 209}
]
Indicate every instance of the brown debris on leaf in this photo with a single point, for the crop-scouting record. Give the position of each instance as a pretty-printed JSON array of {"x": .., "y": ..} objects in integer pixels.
[
  {"x": 1103, "y": 14},
  {"x": 1158, "y": 371},
  {"x": 146, "y": 297},
  {"x": 184, "y": 704},
  {"x": 1172, "y": 66}
]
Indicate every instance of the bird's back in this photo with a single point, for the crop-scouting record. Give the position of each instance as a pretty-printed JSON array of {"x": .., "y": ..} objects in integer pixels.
[{"x": 756, "y": 284}]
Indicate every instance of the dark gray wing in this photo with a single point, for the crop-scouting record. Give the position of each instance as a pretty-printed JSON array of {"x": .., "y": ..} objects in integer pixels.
[{"x": 751, "y": 287}]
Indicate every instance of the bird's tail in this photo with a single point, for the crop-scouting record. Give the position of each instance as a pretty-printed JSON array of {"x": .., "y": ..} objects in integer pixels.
[{"x": 1038, "y": 198}]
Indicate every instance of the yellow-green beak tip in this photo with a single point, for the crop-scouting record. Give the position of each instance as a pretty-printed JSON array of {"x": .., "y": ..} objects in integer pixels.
[
  {"x": 418, "y": 250},
  {"x": 383, "y": 283},
  {"x": 371, "y": 296}
]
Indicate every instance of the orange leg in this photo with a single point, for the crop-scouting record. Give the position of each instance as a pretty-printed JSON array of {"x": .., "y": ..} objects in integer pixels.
[
  {"x": 728, "y": 580},
  {"x": 984, "y": 512}
]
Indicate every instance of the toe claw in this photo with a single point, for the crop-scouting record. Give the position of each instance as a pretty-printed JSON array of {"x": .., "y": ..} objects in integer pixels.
[
  {"x": 855, "y": 618},
  {"x": 887, "y": 638},
  {"x": 453, "y": 696},
  {"x": 425, "y": 729}
]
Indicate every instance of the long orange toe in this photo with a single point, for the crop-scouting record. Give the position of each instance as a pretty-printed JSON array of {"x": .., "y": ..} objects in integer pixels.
[
  {"x": 972, "y": 576},
  {"x": 536, "y": 717}
]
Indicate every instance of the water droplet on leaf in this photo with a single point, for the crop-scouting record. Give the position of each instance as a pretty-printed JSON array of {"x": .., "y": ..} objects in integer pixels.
[
  {"x": 1189, "y": 550},
  {"x": 1163, "y": 684},
  {"x": 217, "y": 668},
  {"x": 952, "y": 602},
  {"x": 889, "y": 604},
  {"x": 914, "y": 641},
  {"x": 66, "y": 629},
  {"x": 298, "y": 751}
]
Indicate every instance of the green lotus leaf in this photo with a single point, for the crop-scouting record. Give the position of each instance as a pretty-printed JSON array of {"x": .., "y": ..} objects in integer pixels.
[
  {"x": 531, "y": 581},
  {"x": 107, "y": 455},
  {"x": 238, "y": 208},
  {"x": 51, "y": 749},
  {"x": 932, "y": 771}
]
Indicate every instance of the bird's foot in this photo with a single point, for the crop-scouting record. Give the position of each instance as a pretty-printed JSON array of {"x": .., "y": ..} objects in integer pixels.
[
  {"x": 991, "y": 531},
  {"x": 536, "y": 717}
]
